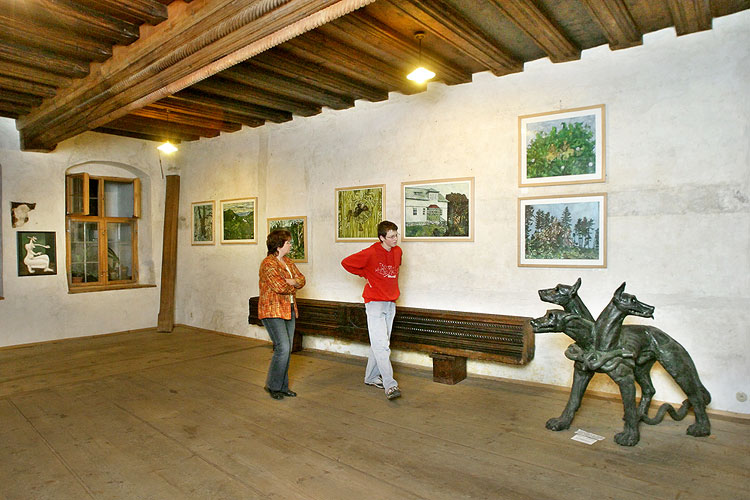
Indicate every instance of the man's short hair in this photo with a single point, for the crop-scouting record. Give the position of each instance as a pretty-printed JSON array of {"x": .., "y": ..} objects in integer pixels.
[{"x": 386, "y": 226}]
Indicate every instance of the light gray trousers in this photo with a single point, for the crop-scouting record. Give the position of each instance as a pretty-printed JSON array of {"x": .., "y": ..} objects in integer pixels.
[{"x": 379, "y": 325}]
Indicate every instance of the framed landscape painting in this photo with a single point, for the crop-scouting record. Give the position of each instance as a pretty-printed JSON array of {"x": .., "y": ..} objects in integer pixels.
[
  {"x": 37, "y": 253},
  {"x": 561, "y": 147},
  {"x": 202, "y": 222},
  {"x": 438, "y": 210},
  {"x": 297, "y": 226},
  {"x": 562, "y": 231},
  {"x": 359, "y": 210},
  {"x": 238, "y": 220}
]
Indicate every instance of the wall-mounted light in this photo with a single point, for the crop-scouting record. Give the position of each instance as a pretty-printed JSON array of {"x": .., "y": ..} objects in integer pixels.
[
  {"x": 421, "y": 74},
  {"x": 167, "y": 147}
]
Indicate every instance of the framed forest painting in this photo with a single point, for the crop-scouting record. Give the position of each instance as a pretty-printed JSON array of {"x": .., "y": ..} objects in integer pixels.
[
  {"x": 438, "y": 210},
  {"x": 561, "y": 147},
  {"x": 297, "y": 226},
  {"x": 562, "y": 231},
  {"x": 359, "y": 210},
  {"x": 202, "y": 222},
  {"x": 238, "y": 220}
]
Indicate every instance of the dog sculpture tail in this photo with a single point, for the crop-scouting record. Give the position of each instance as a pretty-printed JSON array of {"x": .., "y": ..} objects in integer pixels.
[{"x": 676, "y": 415}]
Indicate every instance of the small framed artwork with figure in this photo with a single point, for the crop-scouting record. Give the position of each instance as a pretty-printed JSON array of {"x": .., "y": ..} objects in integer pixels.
[
  {"x": 359, "y": 210},
  {"x": 37, "y": 253},
  {"x": 561, "y": 147}
]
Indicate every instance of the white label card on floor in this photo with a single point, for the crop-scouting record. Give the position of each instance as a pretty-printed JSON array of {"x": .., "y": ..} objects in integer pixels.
[{"x": 586, "y": 437}]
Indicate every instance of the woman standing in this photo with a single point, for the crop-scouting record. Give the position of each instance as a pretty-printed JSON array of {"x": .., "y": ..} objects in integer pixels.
[{"x": 279, "y": 281}]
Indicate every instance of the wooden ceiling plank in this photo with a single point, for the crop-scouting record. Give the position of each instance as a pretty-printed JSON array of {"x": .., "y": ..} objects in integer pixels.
[
  {"x": 27, "y": 87},
  {"x": 146, "y": 137},
  {"x": 350, "y": 61},
  {"x": 372, "y": 32},
  {"x": 234, "y": 106},
  {"x": 73, "y": 16},
  {"x": 445, "y": 21},
  {"x": 226, "y": 88},
  {"x": 43, "y": 60},
  {"x": 206, "y": 111},
  {"x": 199, "y": 50},
  {"x": 263, "y": 80},
  {"x": 540, "y": 28},
  {"x": 12, "y": 109},
  {"x": 54, "y": 40},
  {"x": 158, "y": 127},
  {"x": 133, "y": 11},
  {"x": 690, "y": 16},
  {"x": 34, "y": 75},
  {"x": 616, "y": 22},
  {"x": 197, "y": 121},
  {"x": 288, "y": 64}
]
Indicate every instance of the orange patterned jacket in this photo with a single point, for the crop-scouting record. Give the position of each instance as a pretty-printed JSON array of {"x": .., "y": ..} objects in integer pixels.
[{"x": 275, "y": 293}]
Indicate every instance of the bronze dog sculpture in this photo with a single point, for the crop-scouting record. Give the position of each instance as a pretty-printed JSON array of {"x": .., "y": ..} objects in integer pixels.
[{"x": 626, "y": 354}]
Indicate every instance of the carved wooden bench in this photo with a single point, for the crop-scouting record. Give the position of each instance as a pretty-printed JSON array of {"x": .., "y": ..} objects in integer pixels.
[{"x": 449, "y": 337}]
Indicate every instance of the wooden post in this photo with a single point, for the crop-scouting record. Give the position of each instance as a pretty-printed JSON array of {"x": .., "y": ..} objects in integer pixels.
[{"x": 169, "y": 255}]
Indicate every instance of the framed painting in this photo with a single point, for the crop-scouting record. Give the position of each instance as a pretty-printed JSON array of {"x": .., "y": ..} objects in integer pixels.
[
  {"x": 438, "y": 210},
  {"x": 202, "y": 222},
  {"x": 561, "y": 147},
  {"x": 297, "y": 226},
  {"x": 359, "y": 210},
  {"x": 37, "y": 253},
  {"x": 238, "y": 220},
  {"x": 562, "y": 231}
]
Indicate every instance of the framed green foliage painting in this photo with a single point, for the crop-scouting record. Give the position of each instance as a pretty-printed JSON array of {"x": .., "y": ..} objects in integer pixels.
[
  {"x": 563, "y": 231},
  {"x": 359, "y": 210},
  {"x": 238, "y": 220},
  {"x": 297, "y": 227},
  {"x": 561, "y": 147},
  {"x": 202, "y": 222}
]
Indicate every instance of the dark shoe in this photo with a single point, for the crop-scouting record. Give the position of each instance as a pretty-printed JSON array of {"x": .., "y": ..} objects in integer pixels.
[
  {"x": 275, "y": 394},
  {"x": 393, "y": 393},
  {"x": 289, "y": 393}
]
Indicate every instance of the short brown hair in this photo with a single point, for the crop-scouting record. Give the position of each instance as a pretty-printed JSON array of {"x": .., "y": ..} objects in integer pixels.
[
  {"x": 276, "y": 240},
  {"x": 386, "y": 226}
]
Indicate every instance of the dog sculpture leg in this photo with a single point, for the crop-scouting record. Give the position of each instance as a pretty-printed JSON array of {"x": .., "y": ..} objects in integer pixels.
[
  {"x": 642, "y": 375},
  {"x": 581, "y": 379},
  {"x": 623, "y": 376}
]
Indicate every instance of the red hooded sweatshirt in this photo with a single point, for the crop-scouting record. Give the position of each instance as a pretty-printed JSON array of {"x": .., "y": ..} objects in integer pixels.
[{"x": 380, "y": 268}]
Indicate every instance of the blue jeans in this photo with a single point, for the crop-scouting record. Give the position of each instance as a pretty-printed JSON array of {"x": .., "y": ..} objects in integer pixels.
[
  {"x": 281, "y": 332},
  {"x": 379, "y": 325}
]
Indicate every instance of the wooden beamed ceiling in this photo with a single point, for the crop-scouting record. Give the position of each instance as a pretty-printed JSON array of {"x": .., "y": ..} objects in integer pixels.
[{"x": 185, "y": 70}]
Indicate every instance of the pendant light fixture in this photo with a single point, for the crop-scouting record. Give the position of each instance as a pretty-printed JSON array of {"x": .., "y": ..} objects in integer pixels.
[
  {"x": 421, "y": 74},
  {"x": 167, "y": 147}
]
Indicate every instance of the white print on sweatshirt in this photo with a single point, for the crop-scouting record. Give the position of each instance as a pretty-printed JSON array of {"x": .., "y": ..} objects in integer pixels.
[{"x": 386, "y": 271}]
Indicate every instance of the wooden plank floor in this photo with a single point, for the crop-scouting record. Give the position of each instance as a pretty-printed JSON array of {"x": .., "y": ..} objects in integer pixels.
[{"x": 146, "y": 415}]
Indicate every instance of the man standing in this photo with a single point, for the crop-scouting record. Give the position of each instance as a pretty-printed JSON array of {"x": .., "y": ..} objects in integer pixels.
[{"x": 379, "y": 264}]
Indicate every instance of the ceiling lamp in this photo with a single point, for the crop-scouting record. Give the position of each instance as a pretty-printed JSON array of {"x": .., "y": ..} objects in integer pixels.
[
  {"x": 421, "y": 74},
  {"x": 167, "y": 147}
]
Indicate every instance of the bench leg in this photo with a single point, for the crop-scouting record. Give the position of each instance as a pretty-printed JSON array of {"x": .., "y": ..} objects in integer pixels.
[
  {"x": 448, "y": 369},
  {"x": 297, "y": 342}
]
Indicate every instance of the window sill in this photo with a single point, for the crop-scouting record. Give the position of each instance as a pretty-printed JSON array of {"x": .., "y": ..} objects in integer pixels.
[{"x": 95, "y": 288}]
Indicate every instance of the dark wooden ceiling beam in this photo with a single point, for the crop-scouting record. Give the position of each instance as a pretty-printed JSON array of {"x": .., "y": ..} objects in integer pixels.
[
  {"x": 365, "y": 29},
  {"x": 74, "y": 17},
  {"x": 13, "y": 109},
  {"x": 616, "y": 22},
  {"x": 540, "y": 28},
  {"x": 445, "y": 21},
  {"x": 234, "y": 106},
  {"x": 175, "y": 117},
  {"x": 205, "y": 111},
  {"x": 27, "y": 87},
  {"x": 288, "y": 64},
  {"x": 226, "y": 88},
  {"x": 44, "y": 60},
  {"x": 196, "y": 43},
  {"x": 147, "y": 137},
  {"x": 343, "y": 58},
  {"x": 690, "y": 16},
  {"x": 34, "y": 75},
  {"x": 158, "y": 127},
  {"x": 20, "y": 98},
  {"x": 133, "y": 11},
  {"x": 59, "y": 41},
  {"x": 263, "y": 80}
]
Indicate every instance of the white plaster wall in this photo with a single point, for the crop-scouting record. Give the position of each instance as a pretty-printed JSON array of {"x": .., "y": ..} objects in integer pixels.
[
  {"x": 39, "y": 308},
  {"x": 678, "y": 184}
]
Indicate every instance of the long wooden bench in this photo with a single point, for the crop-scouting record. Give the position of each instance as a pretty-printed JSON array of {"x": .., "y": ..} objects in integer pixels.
[{"x": 449, "y": 337}]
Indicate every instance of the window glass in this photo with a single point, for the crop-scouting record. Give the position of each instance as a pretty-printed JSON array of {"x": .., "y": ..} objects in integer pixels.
[
  {"x": 118, "y": 199},
  {"x": 84, "y": 252},
  {"x": 119, "y": 251},
  {"x": 76, "y": 191},
  {"x": 93, "y": 197}
]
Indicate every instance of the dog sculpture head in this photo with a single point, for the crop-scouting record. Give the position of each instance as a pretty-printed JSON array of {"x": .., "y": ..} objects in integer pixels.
[
  {"x": 628, "y": 304},
  {"x": 561, "y": 294},
  {"x": 552, "y": 322},
  {"x": 574, "y": 326}
]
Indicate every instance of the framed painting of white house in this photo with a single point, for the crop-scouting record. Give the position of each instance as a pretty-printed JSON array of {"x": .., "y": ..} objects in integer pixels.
[
  {"x": 297, "y": 227},
  {"x": 562, "y": 231},
  {"x": 359, "y": 210},
  {"x": 238, "y": 224},
  {"x": 561, "y": 147},
  {"x": 438, "y": 210},
  {"x": 202, "y": 218}
]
